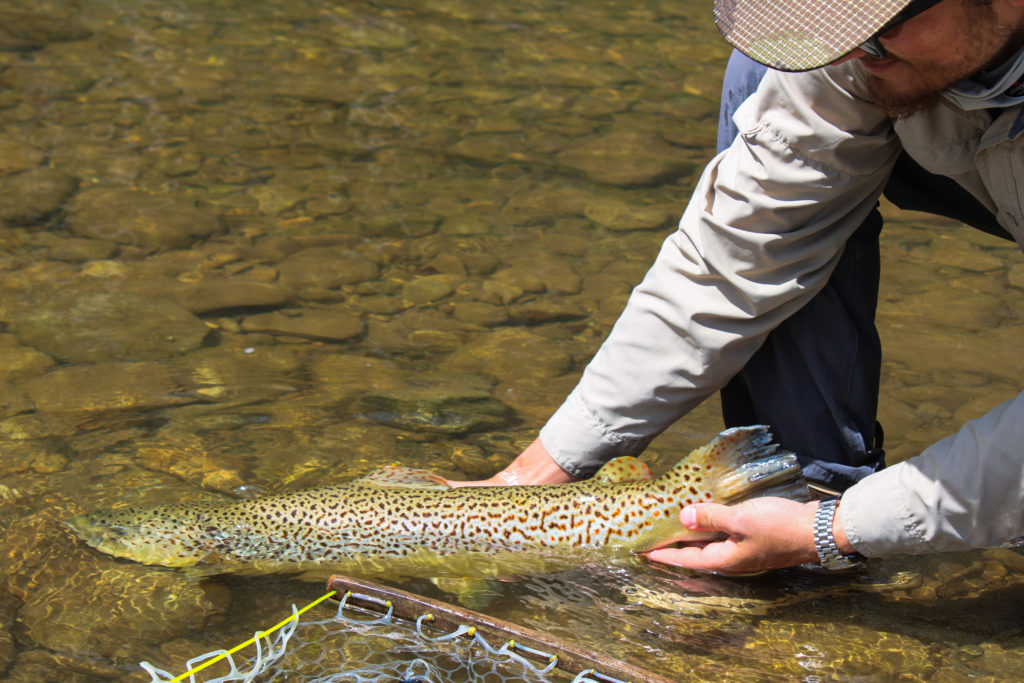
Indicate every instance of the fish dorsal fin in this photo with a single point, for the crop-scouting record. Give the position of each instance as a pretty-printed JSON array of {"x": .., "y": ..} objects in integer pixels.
[
  {"x": 395, "y": 477},
  {"x": 623, "y": 470}
]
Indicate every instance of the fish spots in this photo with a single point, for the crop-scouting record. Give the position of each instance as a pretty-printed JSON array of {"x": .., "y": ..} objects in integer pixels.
[{"x": 363, "y": 527}]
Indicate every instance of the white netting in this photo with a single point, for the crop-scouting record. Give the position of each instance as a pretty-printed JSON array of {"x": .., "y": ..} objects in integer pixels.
[{"x": 363, "y": 647}]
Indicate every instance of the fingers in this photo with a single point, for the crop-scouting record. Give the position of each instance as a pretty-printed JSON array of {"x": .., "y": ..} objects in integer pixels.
[
  {"x": 719, "y": 557},
  {"x": 760, "y": 533},
  {"x": 706, "y": 517}
]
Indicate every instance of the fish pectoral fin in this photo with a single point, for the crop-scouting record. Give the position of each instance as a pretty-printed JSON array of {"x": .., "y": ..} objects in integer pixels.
[
  {"x": 474, "y": 593},
  {"x": 623, "y": 470},
  {"x": 395, "y": 477}
]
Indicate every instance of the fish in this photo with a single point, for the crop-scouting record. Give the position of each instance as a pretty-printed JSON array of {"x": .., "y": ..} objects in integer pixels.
[{"x": 400, "y": 521}]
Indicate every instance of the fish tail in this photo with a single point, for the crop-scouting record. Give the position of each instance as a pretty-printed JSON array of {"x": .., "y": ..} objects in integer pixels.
[{"x": 746, "y": 463}]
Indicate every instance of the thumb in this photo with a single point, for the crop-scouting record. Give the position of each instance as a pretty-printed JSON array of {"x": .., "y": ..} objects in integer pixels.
[{"x": 705, "y": 517}]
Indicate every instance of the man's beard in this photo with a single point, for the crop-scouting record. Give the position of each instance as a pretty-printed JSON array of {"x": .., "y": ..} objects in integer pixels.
[
  {"x": 990, "y": 43},
  {"x": 900, "y": 105}
]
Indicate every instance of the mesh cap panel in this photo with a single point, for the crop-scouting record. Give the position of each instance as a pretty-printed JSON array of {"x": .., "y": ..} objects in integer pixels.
[{"x": 800, "y": 35}]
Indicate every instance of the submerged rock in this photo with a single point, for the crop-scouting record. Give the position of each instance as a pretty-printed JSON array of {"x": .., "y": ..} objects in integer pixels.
[
  {"x": 627, "y": 158},
  {"x": 108, "y": 325},
  {"x": 325, "y": 324},
  {"x": 107, "y": 386},
  {"x": 437, "y": 403},
  {"x": 186, "y": 457},
  {"x": 349, "y": 376},
  {"x": 620, "y": 214},
  {"x": 20, "y": 361},
  {"x": 20, "y": 30},
  {"x": 27, "y": 197},
  {"x": 325, "y": 268},
  {"x": 216, "y": 295},
  {"x": 139, "y": 219},
  {"x": 510, "y": 354},
  {"x": 429, "y": 288}
]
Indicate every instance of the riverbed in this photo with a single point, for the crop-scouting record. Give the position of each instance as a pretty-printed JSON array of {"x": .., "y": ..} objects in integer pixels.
[{"x": 250, "y": 247}]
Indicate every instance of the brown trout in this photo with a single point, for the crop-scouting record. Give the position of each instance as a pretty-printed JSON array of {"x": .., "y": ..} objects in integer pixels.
[{"x": 404, "y": 522}]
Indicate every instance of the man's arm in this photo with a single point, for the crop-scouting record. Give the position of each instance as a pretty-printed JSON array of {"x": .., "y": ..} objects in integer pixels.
[
  {"x": 966, "y": 491},
  {"x": 760, "y": 236}
]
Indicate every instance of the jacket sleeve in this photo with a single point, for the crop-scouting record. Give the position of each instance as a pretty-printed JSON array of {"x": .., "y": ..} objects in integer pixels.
[
  {"x": 966, "y": 491},
  {"x": 760, "y": 236}
]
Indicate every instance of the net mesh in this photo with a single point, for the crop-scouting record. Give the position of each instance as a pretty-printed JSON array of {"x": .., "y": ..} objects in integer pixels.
[{"x": 357, "y": 645}]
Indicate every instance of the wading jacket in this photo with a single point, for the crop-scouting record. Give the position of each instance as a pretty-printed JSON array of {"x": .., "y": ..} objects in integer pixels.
[{"x": 759, "y": 238}]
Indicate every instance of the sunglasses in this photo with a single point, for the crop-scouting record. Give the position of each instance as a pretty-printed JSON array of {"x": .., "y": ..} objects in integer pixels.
[{"x": 873, "y": 45}]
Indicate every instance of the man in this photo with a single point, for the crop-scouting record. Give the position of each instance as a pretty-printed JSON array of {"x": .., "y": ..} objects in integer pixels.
[{"x": 767, "y": 290}]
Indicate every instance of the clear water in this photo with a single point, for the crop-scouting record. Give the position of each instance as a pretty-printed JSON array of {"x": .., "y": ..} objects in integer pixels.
[{"x": 255, "y": 246}]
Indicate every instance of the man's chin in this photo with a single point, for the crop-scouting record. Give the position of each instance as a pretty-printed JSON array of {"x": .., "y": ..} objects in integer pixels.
[{"x": 901, "y": 105}]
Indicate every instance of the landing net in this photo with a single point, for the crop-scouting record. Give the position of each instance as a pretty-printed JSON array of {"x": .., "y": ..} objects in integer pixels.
[{"x": 382, "y": 634}]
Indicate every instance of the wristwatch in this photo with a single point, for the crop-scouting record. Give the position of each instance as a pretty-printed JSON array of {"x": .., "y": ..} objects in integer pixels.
[{"x": 829, "y": 555}]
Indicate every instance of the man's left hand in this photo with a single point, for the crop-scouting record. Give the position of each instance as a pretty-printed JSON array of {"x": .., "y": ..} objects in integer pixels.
[{"x": 761, "y": 534}]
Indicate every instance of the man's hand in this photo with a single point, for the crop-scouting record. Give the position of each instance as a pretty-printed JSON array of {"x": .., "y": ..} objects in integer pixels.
[
  {"x": 761, "y": 533},
  {"x": 533, "y": 466}
]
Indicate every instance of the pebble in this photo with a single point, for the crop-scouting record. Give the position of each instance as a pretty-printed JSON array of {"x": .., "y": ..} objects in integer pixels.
[{"x": 430, "y": 288}]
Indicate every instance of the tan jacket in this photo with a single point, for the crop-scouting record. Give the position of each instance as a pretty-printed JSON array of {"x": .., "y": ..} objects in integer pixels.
[{"x": 759, "y": 238}]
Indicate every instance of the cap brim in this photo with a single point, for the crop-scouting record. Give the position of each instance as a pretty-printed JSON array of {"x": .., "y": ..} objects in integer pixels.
[{"x": 800, "y": 35}]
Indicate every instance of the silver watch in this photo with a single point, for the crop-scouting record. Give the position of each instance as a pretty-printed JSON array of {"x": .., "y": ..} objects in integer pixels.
[{"x": 829, "y": 555}]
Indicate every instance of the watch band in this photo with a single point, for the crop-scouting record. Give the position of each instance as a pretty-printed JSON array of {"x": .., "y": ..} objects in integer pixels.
[{"x": 829, "y": 555}]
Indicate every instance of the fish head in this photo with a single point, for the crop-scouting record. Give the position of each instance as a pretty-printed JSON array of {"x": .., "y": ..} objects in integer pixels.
[{"x": 168, "y": 535}]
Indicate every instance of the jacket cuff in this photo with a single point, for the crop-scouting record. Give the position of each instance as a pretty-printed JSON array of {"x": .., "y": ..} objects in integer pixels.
[
  {"x": 580, "y": 442},
  {"x": 877, "y": 518}
]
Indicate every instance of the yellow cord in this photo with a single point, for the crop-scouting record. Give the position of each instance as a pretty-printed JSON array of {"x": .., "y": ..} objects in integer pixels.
[{"x": 259, "y": 634}]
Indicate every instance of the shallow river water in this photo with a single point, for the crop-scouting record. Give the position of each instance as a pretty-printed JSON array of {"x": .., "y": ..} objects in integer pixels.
[{"x": 256, "y": 246}]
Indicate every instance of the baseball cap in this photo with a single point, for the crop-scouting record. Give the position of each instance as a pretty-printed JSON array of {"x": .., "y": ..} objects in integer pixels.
[{"x": 800, "y": 35}]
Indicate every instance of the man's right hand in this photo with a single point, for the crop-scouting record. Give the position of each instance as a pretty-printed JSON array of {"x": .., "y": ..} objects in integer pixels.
[{"x": 533, "y": 466}]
